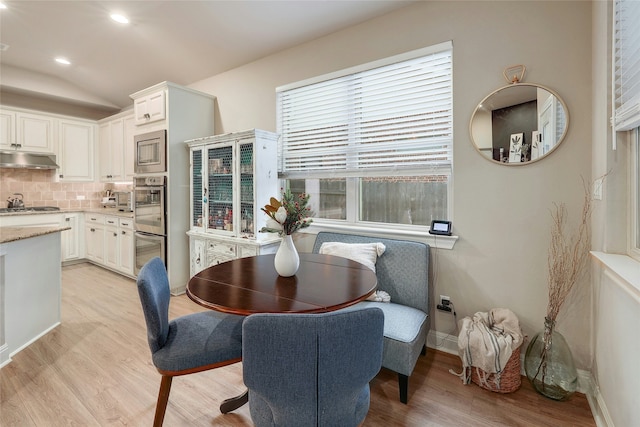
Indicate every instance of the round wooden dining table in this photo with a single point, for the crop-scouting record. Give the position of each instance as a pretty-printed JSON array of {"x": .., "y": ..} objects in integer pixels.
[{"x": 251, "y": 285}]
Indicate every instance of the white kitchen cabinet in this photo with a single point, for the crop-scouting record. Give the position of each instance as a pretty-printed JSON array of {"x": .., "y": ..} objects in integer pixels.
[
  {"x": 126, "y": 255},
  {"x": 94, "y": 238},
  {"x": 111, "y": 242},
  {"x": 115, "y": 147},
  {"x": 72, "y": 240},
  {"x": 26, "y": 131},
  {"x": 35, "y": 132},
  {"x": 7, "y": 129},
  {"x": 187, "y": 114},
  {"x": 111, "y": 157},
  {"x": 150, "y": 107},
  {"x": 118, "y": 244},
  {"x": 129, "y": 147},
  {"x": 76, "y": 150}
]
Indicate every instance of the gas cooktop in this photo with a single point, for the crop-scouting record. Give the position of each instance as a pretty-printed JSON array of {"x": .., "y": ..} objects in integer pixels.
[{"x": 30, "y": 209}]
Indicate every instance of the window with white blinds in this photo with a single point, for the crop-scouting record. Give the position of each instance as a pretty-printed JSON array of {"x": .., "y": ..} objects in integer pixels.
[
  {"x": 390, "y": 115},
  {"x": 372, "y": 145},
  {"x": 627, "y": 64}
]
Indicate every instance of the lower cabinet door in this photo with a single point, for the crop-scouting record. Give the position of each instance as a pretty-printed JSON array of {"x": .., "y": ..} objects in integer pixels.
[
  {"x": 126, "y": 251},
  {"x": 111, "y": 248},
  {"x": 94, "y": 238}
]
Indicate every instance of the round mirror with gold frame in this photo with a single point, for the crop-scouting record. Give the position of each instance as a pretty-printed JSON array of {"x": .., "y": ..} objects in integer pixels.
[{"x": 519, "y": 124}]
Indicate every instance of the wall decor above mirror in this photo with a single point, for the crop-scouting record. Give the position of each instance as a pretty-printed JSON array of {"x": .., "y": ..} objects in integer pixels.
[{"x": 519, "y": 124}]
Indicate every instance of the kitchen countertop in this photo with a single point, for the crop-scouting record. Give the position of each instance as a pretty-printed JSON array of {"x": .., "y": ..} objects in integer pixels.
[
  {"x": 11, "y": 234},
  {"x": 105, "y": 211},
  {"x": 102, "y": 211}
]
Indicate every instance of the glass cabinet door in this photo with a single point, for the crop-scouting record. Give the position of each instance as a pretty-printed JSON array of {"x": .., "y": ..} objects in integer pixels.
[
  {"x": 198, "y": 196},
  {"x": 220, "y": 188},
  {"x": 246, "y": 190}
]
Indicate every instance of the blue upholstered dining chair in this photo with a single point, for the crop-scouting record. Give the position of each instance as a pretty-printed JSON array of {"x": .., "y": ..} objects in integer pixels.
[
  {"x": 188, "y": 344},
  {"x": 311, "y": 369}
]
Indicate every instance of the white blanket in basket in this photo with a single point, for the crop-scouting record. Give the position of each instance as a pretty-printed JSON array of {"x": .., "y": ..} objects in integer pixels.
[{"x": 487, "y": 341}]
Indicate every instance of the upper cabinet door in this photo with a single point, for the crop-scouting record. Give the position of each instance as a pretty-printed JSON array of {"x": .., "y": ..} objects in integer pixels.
[
  {"x": 7, "y": 130},
  {"x": 111, "y": 150},
  {"x": 75, "y": 153},
  {"x": 35, "y": 133},
  {"x": 150, "y": 108}
]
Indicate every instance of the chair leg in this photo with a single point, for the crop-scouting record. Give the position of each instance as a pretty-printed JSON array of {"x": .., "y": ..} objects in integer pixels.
[
  {"x": 163, "y": 399},
  {"x": 403, "y": 385},
  {"x": 424, "y": 350}
]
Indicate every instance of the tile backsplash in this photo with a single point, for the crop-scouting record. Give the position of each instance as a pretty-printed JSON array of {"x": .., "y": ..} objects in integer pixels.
[{"x": 39, "y": 188}]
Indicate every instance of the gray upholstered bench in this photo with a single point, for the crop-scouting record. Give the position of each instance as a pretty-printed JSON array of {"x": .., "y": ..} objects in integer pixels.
[{"x": 403, "y": 272}]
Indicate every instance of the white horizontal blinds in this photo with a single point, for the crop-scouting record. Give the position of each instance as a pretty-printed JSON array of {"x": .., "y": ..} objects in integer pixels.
[
  {"x": 627, "y": 64},
  {"x": 395, "y": 116}
]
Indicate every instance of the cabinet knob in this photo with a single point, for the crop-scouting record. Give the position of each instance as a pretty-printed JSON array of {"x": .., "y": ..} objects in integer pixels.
[
  {"x": 93, "y": 229},
  {"x": 124, "y": 232},
  {"x": 115, "y": 234},
  {"x": 67, "y": 219},
  {"x": 61, "y": 176},
  {"x": 147, "y": 116}
]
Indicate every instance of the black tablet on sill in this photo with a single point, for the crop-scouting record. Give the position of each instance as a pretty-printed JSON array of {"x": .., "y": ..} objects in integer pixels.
[{"x": 440, "y": 227}]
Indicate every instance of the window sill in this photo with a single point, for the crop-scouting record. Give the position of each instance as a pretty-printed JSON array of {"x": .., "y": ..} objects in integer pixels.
[
  {"x": 434, "y": 241},
  {"x": 625, "y": 267}
]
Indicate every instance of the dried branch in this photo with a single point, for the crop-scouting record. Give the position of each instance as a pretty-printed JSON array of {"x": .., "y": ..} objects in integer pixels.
[{"x": 568, "y": 253}]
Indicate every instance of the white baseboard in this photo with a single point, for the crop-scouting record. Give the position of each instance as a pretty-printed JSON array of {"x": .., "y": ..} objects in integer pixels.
[
  {"x": 586, "y": 384},
  {"x": 34, "y": 339},
  {"x": 443, "y": 342},
  {"x": 5, "y": 358}
]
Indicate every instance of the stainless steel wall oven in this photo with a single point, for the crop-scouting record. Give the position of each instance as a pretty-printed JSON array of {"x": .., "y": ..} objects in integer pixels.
[{"x": 149, "y": 214}]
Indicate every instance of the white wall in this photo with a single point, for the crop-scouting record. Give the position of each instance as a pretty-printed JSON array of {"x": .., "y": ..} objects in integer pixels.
[
  {"x": 502, "y": 214},
  {"x": 616, "y": 303}
]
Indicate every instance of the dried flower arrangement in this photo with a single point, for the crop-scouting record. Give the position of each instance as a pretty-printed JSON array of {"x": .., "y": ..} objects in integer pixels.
[
  {"x": 568, "y": 254},
  {"x": 548, "y": 360}
]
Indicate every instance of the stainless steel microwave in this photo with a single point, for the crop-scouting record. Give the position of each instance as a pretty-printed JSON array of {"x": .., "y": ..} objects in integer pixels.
[{"x": 151, "y": 152}]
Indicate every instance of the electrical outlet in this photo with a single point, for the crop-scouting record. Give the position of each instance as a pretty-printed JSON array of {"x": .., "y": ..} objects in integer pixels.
[{"x": 445, "y": 304}]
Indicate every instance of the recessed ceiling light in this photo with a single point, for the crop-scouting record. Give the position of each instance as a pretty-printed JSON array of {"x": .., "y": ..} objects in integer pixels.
[
  {"x": 120, "y": 18},
  {"x": 3, "y": 6},
  {"x": 63, "y": 61}
]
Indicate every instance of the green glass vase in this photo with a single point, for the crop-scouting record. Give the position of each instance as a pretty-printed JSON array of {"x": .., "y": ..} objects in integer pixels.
[{"x": 549, "y": 364}]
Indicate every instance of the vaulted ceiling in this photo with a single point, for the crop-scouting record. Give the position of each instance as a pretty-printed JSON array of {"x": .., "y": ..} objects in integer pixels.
[{"x": 178, "y": 41}]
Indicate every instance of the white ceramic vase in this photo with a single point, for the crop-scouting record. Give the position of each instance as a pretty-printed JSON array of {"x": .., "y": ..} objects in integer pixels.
[{"x": 287, "y": 260}]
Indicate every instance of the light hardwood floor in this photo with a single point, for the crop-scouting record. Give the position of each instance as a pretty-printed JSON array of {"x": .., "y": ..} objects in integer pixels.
[{"x": 95, "y": 370}]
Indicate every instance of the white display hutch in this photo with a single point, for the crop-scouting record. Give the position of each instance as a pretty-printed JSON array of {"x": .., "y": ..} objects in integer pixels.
[{"x": 232, "y": 177}]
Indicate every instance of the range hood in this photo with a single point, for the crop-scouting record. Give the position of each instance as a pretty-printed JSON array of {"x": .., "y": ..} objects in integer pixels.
[{"x": 18, "y": 159}]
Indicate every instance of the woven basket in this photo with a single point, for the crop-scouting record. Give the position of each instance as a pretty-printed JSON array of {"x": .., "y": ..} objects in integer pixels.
[{"x": 510, "y": 378}]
